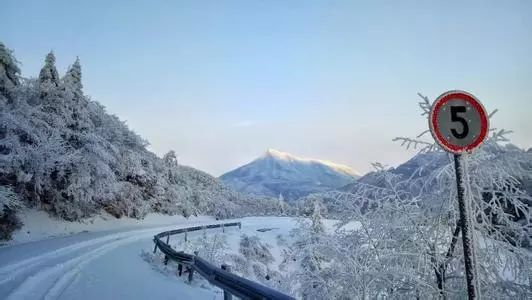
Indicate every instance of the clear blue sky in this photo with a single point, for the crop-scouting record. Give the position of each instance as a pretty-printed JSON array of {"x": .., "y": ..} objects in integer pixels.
[{"x": 222, "y": 81}]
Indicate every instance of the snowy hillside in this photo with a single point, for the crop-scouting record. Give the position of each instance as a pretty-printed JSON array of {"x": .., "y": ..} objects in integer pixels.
[
  {"x": 278, "y": 173},
  {"x": 63, "y": 153}
]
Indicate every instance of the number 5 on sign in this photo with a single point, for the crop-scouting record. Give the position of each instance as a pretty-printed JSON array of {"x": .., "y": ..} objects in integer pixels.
[{"x": 458, "y": 122}]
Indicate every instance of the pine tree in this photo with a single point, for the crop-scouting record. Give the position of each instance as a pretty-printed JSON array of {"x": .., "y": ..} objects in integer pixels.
[
  {"x": 48, "y": 83},
  {"x": 170, "y": 159},
  {"x": 52, "y": 96},
  {"x": 9, "y": 71},
  {"x": 48, "y": 77},
  {"x": 317, "y": 227},
  {"x": 281, "y": 204},
  {"x": 72, "y": 78},
  {"x": 312, "y": 253},
  {"x": 74, "y": 98}
]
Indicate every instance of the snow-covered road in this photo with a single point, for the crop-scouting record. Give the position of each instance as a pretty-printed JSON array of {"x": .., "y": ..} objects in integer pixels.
[
  {"x": 110, "y": 264},
  {"x": 98, "y": 265}
]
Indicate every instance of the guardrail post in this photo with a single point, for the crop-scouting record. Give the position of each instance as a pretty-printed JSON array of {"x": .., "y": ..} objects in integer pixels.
[
  {"x": 168, "y": 239},
  {"x": 165, "y": 259},
  {"x": 155, "y": 248},
  {"x": 223, "y": 228},
  {"x": 180, "y": 269},
  {"x": 190, "y": 273},
  {"x": 186, "y": 235},
  {"x": 239, "y": 225},
  {"x": 190, "y": 269},
  {"x": 227, "y": 295}
]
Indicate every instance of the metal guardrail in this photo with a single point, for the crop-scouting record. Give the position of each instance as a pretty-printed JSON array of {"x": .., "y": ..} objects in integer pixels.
[{"x": 231, "y": 284}]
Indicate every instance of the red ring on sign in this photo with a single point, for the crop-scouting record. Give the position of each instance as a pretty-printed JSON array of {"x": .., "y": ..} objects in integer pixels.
[{"x": 433, "y": 117}]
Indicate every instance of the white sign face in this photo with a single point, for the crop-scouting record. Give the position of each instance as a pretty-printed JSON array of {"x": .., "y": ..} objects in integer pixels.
[{"x": 458, "y": 122}]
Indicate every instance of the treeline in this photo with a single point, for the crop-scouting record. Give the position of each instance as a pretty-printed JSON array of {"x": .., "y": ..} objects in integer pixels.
[{"x": 62, "y": 152}]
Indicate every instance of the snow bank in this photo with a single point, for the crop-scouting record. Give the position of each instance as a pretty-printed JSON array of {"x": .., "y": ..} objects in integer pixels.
[{"x": 39, "y": 224}]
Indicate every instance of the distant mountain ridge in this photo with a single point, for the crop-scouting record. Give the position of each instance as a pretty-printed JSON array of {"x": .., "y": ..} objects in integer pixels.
[
  {"x": 422, "y": 164},
  {"x": 278, "y": 173}
]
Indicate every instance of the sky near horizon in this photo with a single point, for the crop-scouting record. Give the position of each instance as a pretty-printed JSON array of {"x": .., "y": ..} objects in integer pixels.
[{"x": 222, "y": 81}]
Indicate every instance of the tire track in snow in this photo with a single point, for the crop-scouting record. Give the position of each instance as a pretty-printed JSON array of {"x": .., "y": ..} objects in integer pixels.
[
  {"x": 12, "y": 271},
  {"x": 64, "y": 273}
]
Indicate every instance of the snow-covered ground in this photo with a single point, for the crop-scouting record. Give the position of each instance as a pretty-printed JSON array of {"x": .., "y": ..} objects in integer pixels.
[
  {"x": 111, "y": 264},
  {"x": 39, "y": 225},
  {"x": 262, "y": 251},
  {"x": 101, "y": 263}
]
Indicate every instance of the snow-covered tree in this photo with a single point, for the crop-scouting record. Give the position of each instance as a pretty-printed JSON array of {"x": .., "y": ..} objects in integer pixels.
[
  {"x": 253, "y": 249},
  {"x": 211, "y": 247},
  {"x": 317, "y": 226},
  {"x": 10, "y": 204},
  {"x": 72, "y": 78},
  {"x": 170, "y": 158},
  {"x": 255, "y": 261},
  {"x": 312, "y": 250},
  {"x": 75, "y": 102},
  {"x": 51, "y": 95},
  {"x": 9, "y": 72},
  {"x": 48, "y": 76},
  {"x": 283, "y": 207}
]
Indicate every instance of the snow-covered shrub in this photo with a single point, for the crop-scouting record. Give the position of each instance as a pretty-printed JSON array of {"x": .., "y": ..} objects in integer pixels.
[
  {"x": 254, "y": 250},
  {"x": 9, "y": 200},
  {"x": 255, "y": 261},
  {"x": 9, "y": 205},
  {"x": 253, "y": 258},
  {"x": 212, "y": 247}
]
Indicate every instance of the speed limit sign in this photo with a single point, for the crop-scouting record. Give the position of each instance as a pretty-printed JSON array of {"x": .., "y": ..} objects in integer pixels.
[{"x": 458, "y": 122}]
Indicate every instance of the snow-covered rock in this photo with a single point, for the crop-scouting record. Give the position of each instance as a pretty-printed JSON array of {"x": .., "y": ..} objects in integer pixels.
[{"x": 280, "y": 174}]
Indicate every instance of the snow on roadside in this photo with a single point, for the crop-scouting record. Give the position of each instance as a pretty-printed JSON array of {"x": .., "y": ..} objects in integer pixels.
[
  {"x": 218, "y": 247},
  {"x": 40, "y": 225}
]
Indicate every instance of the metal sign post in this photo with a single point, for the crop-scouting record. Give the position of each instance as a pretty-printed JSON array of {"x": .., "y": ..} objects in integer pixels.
[
  {"x": 459, "y": 123},
  {"x": 465, "y": 226}
]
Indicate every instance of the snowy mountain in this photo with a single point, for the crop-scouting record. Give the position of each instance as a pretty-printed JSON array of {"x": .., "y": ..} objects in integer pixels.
[
  {"x": 423, "y": 164},
  {"x": 277, "y": 173},
  {"x": 419, "y": 165}
]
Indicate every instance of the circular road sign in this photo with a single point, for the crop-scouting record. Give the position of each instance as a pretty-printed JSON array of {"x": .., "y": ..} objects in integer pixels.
[{"x": 458, "y": 122}]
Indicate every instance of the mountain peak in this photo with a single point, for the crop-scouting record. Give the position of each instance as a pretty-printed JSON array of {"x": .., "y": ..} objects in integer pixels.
[
  {"x": 277, "y": 172},
  {"x": 279, "y": 154},
  {"x": 285, "y": 156}
]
